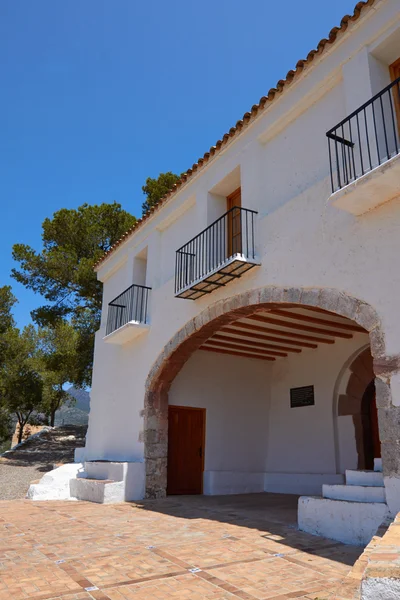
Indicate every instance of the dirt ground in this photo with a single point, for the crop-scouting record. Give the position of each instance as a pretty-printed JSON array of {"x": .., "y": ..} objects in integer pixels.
[{"x": 37, "y": 456}]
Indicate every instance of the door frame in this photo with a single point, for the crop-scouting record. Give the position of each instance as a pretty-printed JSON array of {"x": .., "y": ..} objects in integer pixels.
[
  {"x": 368, "y": 401},
  {"x": 234, "y": 200},
  {"x": 394, "y": 70},
  {"x": 203, "y": 437}
]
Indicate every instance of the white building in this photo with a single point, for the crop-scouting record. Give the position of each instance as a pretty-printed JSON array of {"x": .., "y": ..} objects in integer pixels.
[{"x": 255, "y": 310}]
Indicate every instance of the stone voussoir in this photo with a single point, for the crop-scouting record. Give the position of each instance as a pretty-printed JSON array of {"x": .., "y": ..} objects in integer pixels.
[
  {"x": 347, "y": 306},
  {"x": 310, "y": 297},
  {"x": 366, "y": 316},
  {"x": 329, "y": 299},
  {"x": 291, "y": 295}
]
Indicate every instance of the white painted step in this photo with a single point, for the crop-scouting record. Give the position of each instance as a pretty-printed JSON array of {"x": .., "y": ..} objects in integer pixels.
[
  {"x": 378, "y": 465},
  {"x": 365, "y": 478},
  {"x": 348, "y": 522},
  {"x": 102, "y": 491},
  {"x": 54, "y": 485},
  {"x": 354, "y": 493}
]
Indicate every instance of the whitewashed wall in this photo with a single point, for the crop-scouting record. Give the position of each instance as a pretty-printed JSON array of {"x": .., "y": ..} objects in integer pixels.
[
  {"x": 302, "y": 240},
  {"x": 310, "y": 445},
  {"x": 254, "y": 440},
  {"x": 235, "y": 393}
]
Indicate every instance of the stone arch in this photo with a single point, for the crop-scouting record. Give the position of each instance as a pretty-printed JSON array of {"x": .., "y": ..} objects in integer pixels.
[
  {"x": 351, "y": 403},
  {"x": 223, "y": 312}
]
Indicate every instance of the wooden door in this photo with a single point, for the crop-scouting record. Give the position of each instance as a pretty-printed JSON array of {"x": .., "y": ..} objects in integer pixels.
[
  {"x": 394, "y": 69},
  {"x": 376, "y": 442},
  {"x": 186, "y": 437},
  {"x": 234, "y": 233}
]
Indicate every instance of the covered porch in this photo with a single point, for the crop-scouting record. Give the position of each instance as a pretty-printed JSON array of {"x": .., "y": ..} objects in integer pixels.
[
  {"x": 279, "y": 401},
  {"x": 278, "y": 398}
]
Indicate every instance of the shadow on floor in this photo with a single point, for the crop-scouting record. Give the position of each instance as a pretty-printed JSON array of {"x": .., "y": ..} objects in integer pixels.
[{"x": 272, "y": 516}]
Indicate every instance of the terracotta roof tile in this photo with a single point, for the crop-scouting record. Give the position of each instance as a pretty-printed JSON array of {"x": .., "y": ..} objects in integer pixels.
[{"x": 247, "y": 117}]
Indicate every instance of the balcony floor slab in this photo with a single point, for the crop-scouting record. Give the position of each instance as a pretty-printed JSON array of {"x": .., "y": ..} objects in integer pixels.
[
  {"x": 373, "y": 189},
  {"x": 224, "y": 273},
  {"x": 126, "y": 333}
]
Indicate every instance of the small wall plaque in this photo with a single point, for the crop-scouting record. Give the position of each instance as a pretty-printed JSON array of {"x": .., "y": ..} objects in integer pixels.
[{"x": 302, "y": 396}]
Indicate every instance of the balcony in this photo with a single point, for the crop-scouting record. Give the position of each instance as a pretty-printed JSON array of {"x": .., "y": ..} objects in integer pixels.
[
  {"x": 364, "y": 154},
  {"x": 217, "y": 255},
  {"x": 127, "y": 316}
]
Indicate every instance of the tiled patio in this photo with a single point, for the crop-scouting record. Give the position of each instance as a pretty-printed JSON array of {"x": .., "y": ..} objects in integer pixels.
[{"x": 192, "y": 548}]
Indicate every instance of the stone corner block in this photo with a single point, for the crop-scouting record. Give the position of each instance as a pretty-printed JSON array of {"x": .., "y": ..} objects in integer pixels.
[
  {"x": 377, "y": 342},
  {"x": 383, "y": 394}
]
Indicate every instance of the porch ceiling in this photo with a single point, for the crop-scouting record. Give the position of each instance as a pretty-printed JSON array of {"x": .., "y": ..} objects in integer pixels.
[{"x": 279, "y": 331}]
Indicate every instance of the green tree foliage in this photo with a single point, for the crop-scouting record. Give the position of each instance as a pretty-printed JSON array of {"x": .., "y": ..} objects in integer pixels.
[
  {"x": 56, "y": 360},
  {"x": 62, "y": 271},
  {"x": 6, "y": 429},
  {"x": 155, "y": 189},
  {"x": 20, "y": 383},
  {"x": 7, "y": 301}
]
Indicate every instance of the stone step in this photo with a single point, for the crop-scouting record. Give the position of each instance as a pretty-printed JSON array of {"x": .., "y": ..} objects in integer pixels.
[
  {"x": 102, "y": 491},
  {"x": 348, "y": 522},
  {"x": 364, "y": 478},
  {"x": 54, "y": 485},
  {"x": 378, "y": 465},
  {"x": 105, "y": 470},
  {"x": 354, "y": 493}
]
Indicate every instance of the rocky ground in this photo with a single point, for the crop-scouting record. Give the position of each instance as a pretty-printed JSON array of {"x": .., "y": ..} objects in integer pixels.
[{"x": 29, "y": 462}]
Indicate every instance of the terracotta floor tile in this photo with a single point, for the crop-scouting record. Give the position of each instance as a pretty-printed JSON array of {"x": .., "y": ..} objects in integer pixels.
[{"x": 243, "y": 547}]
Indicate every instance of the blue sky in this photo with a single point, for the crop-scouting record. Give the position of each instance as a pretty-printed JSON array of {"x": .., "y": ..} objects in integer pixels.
[{"x": 97, "y": 95}]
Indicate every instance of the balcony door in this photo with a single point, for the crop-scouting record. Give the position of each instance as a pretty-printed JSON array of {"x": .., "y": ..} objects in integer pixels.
[
  {"x": 394, "y": 69},
  {"x": 234, "y": 224},
  {"x": 186, "y": 435}
]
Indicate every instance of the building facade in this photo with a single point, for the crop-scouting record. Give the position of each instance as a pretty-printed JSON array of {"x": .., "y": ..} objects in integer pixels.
[{"x": 250, "y": 336}]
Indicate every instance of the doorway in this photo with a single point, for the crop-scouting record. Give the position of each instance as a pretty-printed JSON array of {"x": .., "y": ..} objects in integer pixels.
[
  {"x": 234, "y": 204},
  {"x": 372, "y": 443},
  {"x": 394, "y": 70},
  {"x": 186, "y": 442}
]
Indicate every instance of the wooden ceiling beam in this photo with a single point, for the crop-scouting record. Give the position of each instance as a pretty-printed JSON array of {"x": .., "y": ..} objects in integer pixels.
[
  {"x": 310, "y": 309},
  {"x": 260, "y": 336},
  {"x": 290, "y": 334},
  {"x": 308, "y": 319},
  {"x": 229, "y": 338},
  {"x": 242, "y": 354},
  {"x": 231, "y": 346},
  {"x": 308, "y": 328}
]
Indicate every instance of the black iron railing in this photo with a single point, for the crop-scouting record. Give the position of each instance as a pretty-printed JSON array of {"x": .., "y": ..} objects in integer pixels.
[
  {"x": 232, "y": 235},
  {"x": 131, "y": 305},
  {"x": 366, "y": 138}
]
